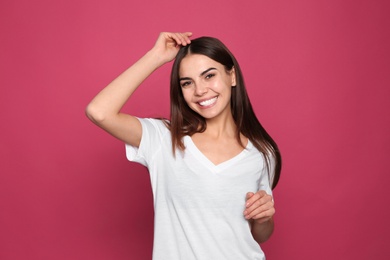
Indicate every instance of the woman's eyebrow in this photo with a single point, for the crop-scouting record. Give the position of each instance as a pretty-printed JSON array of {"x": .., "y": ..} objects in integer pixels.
[
  {"x": 185, "y": 78},
  {"x": 204, "y": 72},
  {"x": 201, "y": 74}
]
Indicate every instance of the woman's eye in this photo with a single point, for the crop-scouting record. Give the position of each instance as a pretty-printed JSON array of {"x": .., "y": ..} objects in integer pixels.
[
  {"x": 208, "y": 76},
  {"x": 185, "y": 84}
]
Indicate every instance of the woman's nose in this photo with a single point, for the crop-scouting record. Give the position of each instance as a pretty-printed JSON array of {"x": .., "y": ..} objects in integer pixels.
[{"x": 200, "y": 89}]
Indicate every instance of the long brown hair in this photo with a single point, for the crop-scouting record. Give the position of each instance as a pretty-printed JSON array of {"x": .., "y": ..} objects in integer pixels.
[{"x": 184, "y": 121}]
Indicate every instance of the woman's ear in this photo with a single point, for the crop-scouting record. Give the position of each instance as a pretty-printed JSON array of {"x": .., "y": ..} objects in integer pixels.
[{"x": 233, "y": 76}]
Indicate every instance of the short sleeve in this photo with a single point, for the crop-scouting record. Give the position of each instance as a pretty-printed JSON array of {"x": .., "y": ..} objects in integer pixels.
[{"x": 153, "y": 130}]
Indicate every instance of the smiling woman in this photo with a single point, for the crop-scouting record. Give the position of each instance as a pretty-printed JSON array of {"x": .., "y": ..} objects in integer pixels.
[
  {"x": 206, "y": 86},
  {"x": 212, "y": 165}
]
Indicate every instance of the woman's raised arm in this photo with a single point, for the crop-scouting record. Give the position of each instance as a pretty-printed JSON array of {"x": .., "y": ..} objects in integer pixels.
[{"x": 104, "y": 109}]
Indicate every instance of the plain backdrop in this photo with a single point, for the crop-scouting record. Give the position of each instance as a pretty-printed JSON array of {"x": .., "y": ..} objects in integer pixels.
[{"x": 318, "y": 76}]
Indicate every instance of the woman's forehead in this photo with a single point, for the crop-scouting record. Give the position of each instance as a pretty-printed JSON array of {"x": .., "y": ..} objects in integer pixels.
[{"x": 195, "y": 64}]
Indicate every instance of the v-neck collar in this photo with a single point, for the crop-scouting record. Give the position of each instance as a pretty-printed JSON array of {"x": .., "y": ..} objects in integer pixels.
[{"x": 191, "y": 147}]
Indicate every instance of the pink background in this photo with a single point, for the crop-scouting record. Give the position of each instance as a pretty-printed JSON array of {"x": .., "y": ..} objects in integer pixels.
[{"x": 318, "y": 76}]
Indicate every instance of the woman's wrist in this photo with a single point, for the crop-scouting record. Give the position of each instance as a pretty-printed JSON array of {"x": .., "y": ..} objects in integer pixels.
[{"x": 156, "y": 58}]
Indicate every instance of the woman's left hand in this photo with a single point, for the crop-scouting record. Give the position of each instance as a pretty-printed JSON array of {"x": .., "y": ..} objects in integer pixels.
[{"x": 259, "y": 207}]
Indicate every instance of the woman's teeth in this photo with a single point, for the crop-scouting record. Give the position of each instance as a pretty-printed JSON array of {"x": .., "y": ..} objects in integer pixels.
[{"x": 208, "y": 102}]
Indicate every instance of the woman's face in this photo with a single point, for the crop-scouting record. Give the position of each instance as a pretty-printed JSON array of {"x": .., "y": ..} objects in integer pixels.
[{"x": 206, "y": 85}]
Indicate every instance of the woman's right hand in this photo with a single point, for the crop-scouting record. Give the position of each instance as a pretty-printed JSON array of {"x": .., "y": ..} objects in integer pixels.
[{"x": 168, "y": 44}]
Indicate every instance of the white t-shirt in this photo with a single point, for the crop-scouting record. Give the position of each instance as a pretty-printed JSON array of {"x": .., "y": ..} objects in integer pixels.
[{"x": 198, "y": 205}]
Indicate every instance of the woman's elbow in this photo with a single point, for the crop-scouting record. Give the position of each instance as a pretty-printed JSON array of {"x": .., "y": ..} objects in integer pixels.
[{"x": 94, "y": 114}]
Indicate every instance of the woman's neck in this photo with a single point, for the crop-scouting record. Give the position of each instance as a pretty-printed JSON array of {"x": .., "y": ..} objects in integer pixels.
[{"x": 221, "y": 127}]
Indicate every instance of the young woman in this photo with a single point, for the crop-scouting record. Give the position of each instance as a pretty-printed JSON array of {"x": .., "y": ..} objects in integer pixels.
[{"x": 212, "y": 165}]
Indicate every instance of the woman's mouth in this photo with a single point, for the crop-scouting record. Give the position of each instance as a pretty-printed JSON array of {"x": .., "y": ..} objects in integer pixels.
[{"x": 208, "y": 102}]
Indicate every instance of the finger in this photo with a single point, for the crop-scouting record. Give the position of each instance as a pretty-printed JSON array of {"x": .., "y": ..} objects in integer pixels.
[
  {"x": 173, "y": 38},
  {"x": 176, "y": 37},
  {"x": 258, "y": 195},
  {"x": 262, "y": 215},
  {"x": 187, "y": 36},
  {"x": 184, "y": 38},
  {"x": 249, "y": 195},
  {"x": 262, "y": 220},
  {"x": 262, "y": 204},
  {"x": 258, "y": 208}
]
